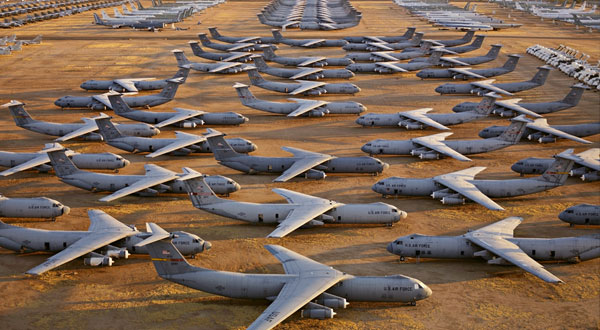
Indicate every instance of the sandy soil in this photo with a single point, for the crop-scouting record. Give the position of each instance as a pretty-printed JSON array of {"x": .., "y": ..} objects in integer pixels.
[{"x": 469, "y": 294}]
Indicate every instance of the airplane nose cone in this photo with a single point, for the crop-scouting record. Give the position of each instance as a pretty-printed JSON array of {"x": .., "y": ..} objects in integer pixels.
[
  {"x": 125, "y": 162},
  {"x": 375, "y": 188},
  {"x": 206, "y": 246},
  {"x": 237, "y": 186},
  {"x": 403, "y": 215},
  {"x": 438, "y": 89},
  {"x": 253, "y": 147},
  {"x": 351, "y": 74},
  {"x": 390, "y": 248},
  {"x": 58, "y": 102},
  {"x": 356, "y": 89},
  {"x": 427, "y": 291},
  {"x": 360, "y": 120},
  {"x": 66, "y": 210},
  {"x": 366, "y": 149},
  {"x": 155, "y": 130},
  {"x": 386, "y": 166},
  {"x": 246, "y": 119}
]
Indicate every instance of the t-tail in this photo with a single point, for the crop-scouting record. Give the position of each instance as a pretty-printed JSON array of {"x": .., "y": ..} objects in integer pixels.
[
  {"x": 410, "y": 32},
  {"x": 196, "y": 49},
  {"x": 435, "y": 57},
  {"x": 18, "y": 112},
  {"x": 220, "y": 148},
  {"x": 486, "y": 104},
  {"x": 104, "y": 15},
  {"x": 417, "y": 37},
  {"x": 244, "y": 93},
  {"x": 118, "y": 104},
  {"x": 277, "y": 35},
  {"x": 139, "y": 5},
  {"x": 169, "y": 91},
  {"x": 182, "y": 60},
  {"x": 200, "y": 192},
  {"x": 107, "y": 129},
  {"x": 515, "y": 130},
  {"x": 511, "y": 63},
  {"x": 168, "y": 260},
  {"x": 541, "y": 75},
  {"x": 63, "y": 166},
  {"x": 469, "y": 36},
  {"x": 214, "y": 33},
  {"x": 494, "y": 51},
  {"x": 268, "y": 52},
  {"x": 204, "y": 39},
  {"x": 182, "y": 73},
  {"x": 97, "y": 19},
  {"x": 574, "y": 94},
  {"x": 478, "y": 40},
  {"x": 558, "y": 172},
  {"x": 259, "y": 61},
  {"x": 255, "y": 77}
]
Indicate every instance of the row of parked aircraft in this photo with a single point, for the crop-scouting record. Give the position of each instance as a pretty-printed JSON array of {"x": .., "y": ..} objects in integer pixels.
[
  {"x": 310, "y": 14},
  {"x": 5, "y": 43}
]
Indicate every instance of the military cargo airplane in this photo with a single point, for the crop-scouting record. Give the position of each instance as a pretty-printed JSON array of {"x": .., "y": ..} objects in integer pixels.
[
  {"x": 587, "y": 165},
  {"x": 221, "y": 57},
  {"x": 300, "y": 73},
  {"x": 38, "y": 207},
  {"x": 539, "y": 130},
  {"x": 301, "y": 86},
  {"x": 582, "y": 214},
  {"x": 133, "y": 84},
  {"x": 269, "y": 55},
  {"x": 470, "y": 73}
]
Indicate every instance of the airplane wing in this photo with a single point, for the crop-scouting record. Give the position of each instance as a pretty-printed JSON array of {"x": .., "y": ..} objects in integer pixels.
[
  {"x": 224, "y": 66},
  {"x": 541, "y": 124},
  {"x": 311, "y": 60},
  {"x": 435, "y": 143},
  {"x": 419, "y": 115},
  {"x": 238, "y": 46},
  {"x": 458, "y": 181},
  {"x": 385, "y": 55},
  {"x": 182, "y": 114},
  {"x": 310, "y": 280},
  {"x": 247, "y": 40},
  {"x": 104, "y": 230},
  {"x": 374, "y": 39},
  {"x": 307, "y": 161},
  {"x": 40, "y": 159},
  {"x": 129, "y": 84},
  {"x": 312, "y": 42},
  {"x": 155, "y": 175},
  {"x": 380, "y": 45},
  {"x": 453, "y": 60},
  {"x": 512, "y": 105},
  {"x": 493, "y": 239},
  {"x": 589, "y": 158},
  {"x": 466, "y": 72},
  {"x": 182, "y": 140},
  {"x": 88, "y": 127},
  {"x": 391, "y": 66},
  {"x": 487, "y": 85},
  {"x": 305, "y": 106},
  {"x": 305, "y": 86},
  {"x": 235, "y": 55},
  {"x": 103, "y": 98},
  {"x": 305, "y": 72}
]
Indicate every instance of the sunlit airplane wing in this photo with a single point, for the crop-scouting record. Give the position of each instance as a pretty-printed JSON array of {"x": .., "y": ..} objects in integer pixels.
[
  {"x": 589, "y": 158},
  {"x": 391, "y": 65},
  {"x": 104, "y": 230},
  {"x": 305, "y": 72},
  {"x": 129, "y": 84},
  {"x": 541, "y": 124},
  {"x": 182, "y": 140},
  {"x": 513, "y": 106},
  {"x": 313, "y": 42},
  {"x": 487, "y": 85},
  {"x": 385, "y": 55},
  {"x": 312, "y": 60},
  {"x": 41, "y": 159},
  {"x": 374, "y": 39},
  {"x": 466, "y": 72},
  {"x": 238, "y": 46},
  {"x": 235, "y": 56},
  {"x": 306, "y": 86},
  {"x": 155, "y": 175},
  {"x": 458, "y": 181},
  {"x": 380, "y": 45},
  {"x": 88, "y": 127},
  {"x": 453, "y": 60},
  {"x": 181, "y": 115},
  {"x": 305, "y": 106},
  {"x": 420, "y": 116},
  {"x": 224, "y": 66},
  {"x": 435, "y": 143},
  {"x": 306, "y": 161},
  {"x": 247, "y": 40}
]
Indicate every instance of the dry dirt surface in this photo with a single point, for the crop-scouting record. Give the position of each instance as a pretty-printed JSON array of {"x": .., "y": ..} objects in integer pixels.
[{"x": 466, "y": 294}]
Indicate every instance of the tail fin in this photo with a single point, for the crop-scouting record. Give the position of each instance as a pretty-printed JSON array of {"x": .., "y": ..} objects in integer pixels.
[
  {"x": 255, "y": 77},
  {"x": 558, "y": 172},
  {"x": 182, "y": 73},
  {"x": 260, "y": 63},
  {"x": 169, "y": 91},
  {"x": 244, "y": 93},
  {"x": 486, "y": 104},
  {"x": 573, "y": 4},
  {"x": 36, "y": 40},
  {"x": 104, "y": 14},
  {"x": 118, "y": 104},
  {"x": 20, "y": 115},
  {"x": 418, "y": 37},
  {"x": 410, "y": 32},
  {"x": 277, "y": 35},
  {"x": 63, "y": 166},
  {"x": 494, "y": 51},
  {"x": 466, "y": 7},
  {"x": 214, "y": 33},
  {"x": 435, "y": 57},
  {"x": 107, "y": 129},
  {"x": 469, "y": 36},
  {"x": 220, "y": 148},
  {"x": 97, "y": 19},
  {"x": 478, "y": 40},
  {"x": 515, "y": 130},
  {"x": 200, "y": 192},
  {"x": 541, "y": 75},
  {"x": 203, "y": 39},
  {"x": 117, "y": 12},
  {"x": 180, "y": 57},
  {"x": 269, "y": 53},
  {"x": 574, "y": 94},
  {"x": 196, "y": 49},
  {"x": 139, "y": 4},
  {"x": 511, "y": 63},
  {"x": 426, "y": 45},
  {"x": 168, "y": 260},
  {"x": 261, "y": 18}
]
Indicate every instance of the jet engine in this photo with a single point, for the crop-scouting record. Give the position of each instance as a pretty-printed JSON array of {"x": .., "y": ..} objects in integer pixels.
[
  {"x": 592, "y": 176},
  {"x": 577, "y": 171},
  {"x": 504, "y": 113},
  {"x": 97, "y": 259},
  {"x": 117, "y": 253},
  {"x": 410, "y": 125},
  {"x": 455, "y": 199},
  {"x": 316, "y": 113},
  {"x": 534, "y": 136},
  {"x": 429, "y": 155},
  {"x": 332, "y": 301},
  {"x": 313, "y": 223},
  {"x": 547, "y": 139},
  {"x": 187, "y": 124},
  {"x": 315, "y": 174},
  {"x": 439, "y": 194},
  {"x": 316, "y": 311},
  {"x": 93, "y": 137},
  {"x": 419, "y": 151}
]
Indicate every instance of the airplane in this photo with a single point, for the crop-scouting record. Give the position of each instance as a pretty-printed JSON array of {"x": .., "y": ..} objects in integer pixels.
[
  {"x": 508, "y": 108},
  {"x": 449, "y": 61},
  {"x": 156, "y": 180},
  {"x": 415, "y": 41},
  {"x": 300, "y": 73},
  {"x": 218, "y": 67},
  {"x": 395, "y": 67},
  {"x": 38, "y": 207},
  {"x": 408, "y": 34},
  {"x": 486, "y": 86},
  {"x": 476, "y": 44},
  {"x": 35, "y": 41},
  {"x": 300, "y": 86},
  {"x": 582, "y": 214},
  {"x": 587, "y": 165},
  {"x": 183, "y": 144},
  {"x": 540, "y": 131},
  {"x": 185, "y": 118},
  {"x": 308, "y": 285},
  {"x": 85, "y": 131},
  {"x": 221, "y": 57},
  {"x": 467, "y": 37},
  {"x": 310, "y": 164},
  {"x": 320, "y": 61},
  {"x": 106, "y": 239},
  {"x": 133, "y": 84},
  {"x": 495, "y": 243},
  {"x": 214, "y": 33},
  {"x": 300, "y": 211},
  {"x": 22, "y": 161},
  {"x": 241, "y": 47},
  {"x": 299, "y": 107},
  {"x": 100, "y": 102},
  {"x": 421, "y": 119},
  {"x": 307, "y": 43},
  {"x": 387, "y": 56},
  {"x": 435, "y": 146},
  {"x": 136, "y": 23},
  {"x": 470, "y": 73},
  {"x": 456, "y": 188}
]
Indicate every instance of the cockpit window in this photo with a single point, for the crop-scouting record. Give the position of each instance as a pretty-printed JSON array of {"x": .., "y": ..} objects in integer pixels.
[
  {"x": 394, "y": 210},
  {"x": 54, "y": 205},
  {"x": 399, "y": 242},
  {"x": 380, "y": 183},
  {"x": 229, "y": 182},
  {"x": 195, "y": 241}
]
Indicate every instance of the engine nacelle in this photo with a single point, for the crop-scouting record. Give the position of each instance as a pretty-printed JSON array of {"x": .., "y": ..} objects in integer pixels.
[
  {"x": 504, "y": 113},
  {"x": 316, "y": 113},
  {"x": 98, "y": 261},
  {"x": 332, "y": 301},
  {"x": 187, "y": 124},
  {"x": 93, "y": 137},
  {"x": 413, "y": 126},
  {"x": 453, "y": 200},
  {"x": 429, "y": 155},
  {"x": 438, "y": 194},
  {"x": 117, "y": 253},
  {"x": 313, "y": 223},
  {"x": 316, "y": 311},
  {"x": 326, "y": 218},
  {"x": 10, "y": 245},
  {"x": 534, "y": 136},
  {"x": 148, "y": 192},
  {"x": 592, "y": 176},
  {"x": 499, "y": 261},
  {"x": 315, "y": 174},
  {"x": 577, "y": 171},
  {"x": 418, "y": 152},
  {"x": 547, "y": 139}
]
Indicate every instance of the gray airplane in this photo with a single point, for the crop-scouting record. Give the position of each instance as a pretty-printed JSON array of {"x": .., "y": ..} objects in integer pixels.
[
  {"x": 156, "y": 180},
  {"x": 219, "y": 67},
  {"x": 313, "y": 61},
  {"x": 470, "y": 73},
  {"x": 495, "y": 243},
  {"x": 136, "y": 23},
  {"x": 133, "y": 84},
  {"x": 408, "y": 34},
  {"x": 379, "y": 46},
  {"x": 300, "y": 73},
  {"x": 214, "y": 33},
  {"x": 100, "y": 102},
  {"x": 183, "y": 144},
  {"x": 185, "y": 118},
  {"x": 540, "y": 131},
  {"x": 436, "y": 147},
  {"x": 456, "y": 42},
  {"x": 450, "y": 61},
  {"x": 300, "y": 211},
  {"x": 389, "y": 55},
  {"x": 486, "y": 86},
  {"x": 222, "y": 57},
  {"x": 86, "y": 130},
  {"x": 106, "y": 239},
  {"x": 587, "y": 165},
  {"x": 302, "y": 87},
  {"x": 395, "y": 67},
  {"x": 421, "y": 119},
  {"x": 313, "y": 287},
  {"x": 457, "y": 187},
  {"x": 38, "y": 207},
  {"x": 311, "y": 165},
  {"x": 476, "y": 44},
  {"x": 512, "y": 107},
  {"x": 236, "y": 47},
  {"x": 307, "y": 43},
  {"x": 299, "y": 107},
  {"x": 21, "y": 161},
  {"x": 582, "y": 214}
]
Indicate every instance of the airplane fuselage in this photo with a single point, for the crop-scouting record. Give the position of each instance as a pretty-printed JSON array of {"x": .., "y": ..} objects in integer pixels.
[
  {"x": 468, "y": 88},
  {"x": 582, "y": 214},
  {"x": 207, "y": 118},
  {"x": 87, "y": 161},
  {"x": 397, "y": 120},
  {"x": 287, "y": 108},
  {"x": 40, "y": 207},
  {"x": 579, "y": 130},
  {"x": 336, "y": 88},
  {"x": 89, "y": 102},
  {"x": 407, "y": 147},
  {"x": 59, "y": 129},
  {"x": 140, "y": 85},
  {"x": 541, "y": 108},
  {"x": 140, "y": 144}
]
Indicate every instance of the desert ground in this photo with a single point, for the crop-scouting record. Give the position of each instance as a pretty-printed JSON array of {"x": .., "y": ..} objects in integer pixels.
[{"x": 129, "y": 295}]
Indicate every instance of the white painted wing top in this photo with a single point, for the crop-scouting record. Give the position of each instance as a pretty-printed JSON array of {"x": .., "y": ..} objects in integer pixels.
[
  {"x": 104, "y": 230},
  {"x": 435, "y": 142},
  {"x": 248, "y": 40},
  {"x": 88, "y": 127},
  {"x": 458, "y": 181},
  {"x": 541, "y": 124},
  {"x": 391, "y": 65},
  {"x": 311, "y": 60},
  {"x": 181, "y": 115},
  {"x": 313, "y": 42},
  {"x": 305, "y": 72},
  {"x": 420, "y": 116},
  {"x": 512, "y": 105},
  {"x": 307, "y": 161},
  {"x": 37, "y": 161},
  {"x": 182, "y": 140},
  {"x": 374, "y": 39},
  {"x": 294, "y": 197},
  {"x": 154, "y": 175},
  {"x": 224, "y": 66},
  {"x": 504, "y": 228},
  {"x": 129, "y": 84},
  {"x": 235, "y": 55},
  {"x": 305, "y": 106},
  {"x": 589, "y": 158},
  {"x": 487, "y": 85},
  {"x": 380, "y": 45},
  {"x": 453, "y": 60},
  {"x": 385, "y": 55},
  {"x": 238, "y": 46},
  {"x": 466, "y": 72},
  {"x": 298, "y": 217},
  {"x": 103, "y": 98},
  {"x": 306, "y": 86}
]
